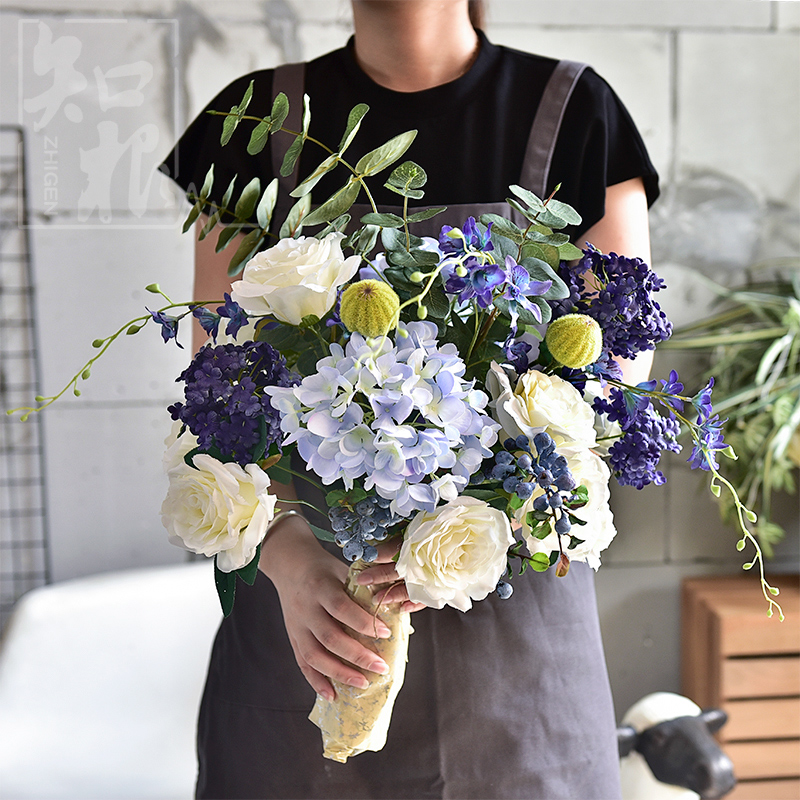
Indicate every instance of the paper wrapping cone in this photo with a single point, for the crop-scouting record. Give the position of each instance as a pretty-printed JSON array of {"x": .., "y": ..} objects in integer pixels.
[{"x": 358, "y": 719}]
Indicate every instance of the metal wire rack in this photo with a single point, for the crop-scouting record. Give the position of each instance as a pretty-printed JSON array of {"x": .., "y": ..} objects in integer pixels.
[{"x": 24, "y": 541}]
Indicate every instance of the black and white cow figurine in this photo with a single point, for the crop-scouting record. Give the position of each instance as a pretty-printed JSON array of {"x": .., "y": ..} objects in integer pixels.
[{"x": 668, "y": 752}]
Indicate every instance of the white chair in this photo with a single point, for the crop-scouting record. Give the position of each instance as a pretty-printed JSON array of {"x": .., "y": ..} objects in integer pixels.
[{"x": 100, "y": 681}]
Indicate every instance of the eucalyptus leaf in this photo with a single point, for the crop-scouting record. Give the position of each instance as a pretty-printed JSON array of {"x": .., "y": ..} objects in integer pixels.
[
  {"x": 194, "y": 213},
  {"x": 353, "y": 124},
  {"x": 385, "y": 155},
  {"x": 230, "y": 123},
  {"x": 311, "y": 181},
  {"x": 226, "y": 234},
  {"x": 246, "y": 203},
  {"x": 247, "y": 246},
  {"x": 564, "y": 211},
  {"x": 336, "y": 205},
  {"x": 208, "y": 183},
  {"x": 413, "y": 194},
  {"x": 503, "y": 227},
  {"x": 568, "y": 252},
  {"x": 383, "y": 220},
  {"x": 280, "y": 110},
  {"x": 292, "y": 154},
  {"x": 306, "y": 114},
  {"x": 409, "y": 175},
  {"x": 528, "y": 197},
  {"x": 541, "y": 271},
  {"x": 209, "y": 226},
  {"x": 426, "y": 213},
  {"x": 259, "y": 136},
  {"x": 226, "y": 198},
  {"x": 266, "y": 206},
  {"x": 296, "y": 218},
  {"x": 366, "y": 239},
  {"x": 337, "y": 225}
]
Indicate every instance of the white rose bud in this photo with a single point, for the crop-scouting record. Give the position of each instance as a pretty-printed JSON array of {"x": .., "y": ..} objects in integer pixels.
[
  {"x": 296, "y": 278},
  {"x": 454, "y": 554},
  {"x": 218, "y": 509}
]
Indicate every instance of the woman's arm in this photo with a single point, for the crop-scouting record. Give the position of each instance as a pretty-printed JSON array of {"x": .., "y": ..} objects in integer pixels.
[{"x": 624, "y": 230}]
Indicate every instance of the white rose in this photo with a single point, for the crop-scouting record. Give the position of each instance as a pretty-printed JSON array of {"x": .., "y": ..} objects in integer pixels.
[
  {"x": 590, "y": 471},
  {"x": 177, "y": 447},
  {"x": 454, "y": 554},
  {"x": 541, "y": 403},
  {"x": 218, "y": 509},
  {"x": 295, "y": 278}
]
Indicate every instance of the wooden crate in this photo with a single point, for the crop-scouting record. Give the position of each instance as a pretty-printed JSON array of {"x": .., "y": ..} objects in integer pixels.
[{"x": 736, "y": 658}]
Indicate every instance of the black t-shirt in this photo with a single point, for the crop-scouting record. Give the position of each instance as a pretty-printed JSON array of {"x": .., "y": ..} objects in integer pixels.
[{"x": 472, "y": 132}]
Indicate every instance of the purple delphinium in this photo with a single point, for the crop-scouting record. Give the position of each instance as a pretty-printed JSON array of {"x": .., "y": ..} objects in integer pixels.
[
  {"x": 475, "y": 240},
  {"x": 620, "y": 297},
  {"x": 703, "y": 455},
  {"x": 169, "y": 325},
  {"x": 236, "y": 315},
  {"x": 646, "y": 434},
  {"x": 209, "y": 321},
  {"x": 224, "y": 400},
  {"x": 517, "y": 355},
  {"x": 518, "y": 288},
  {"x": 480, "y": 282}
]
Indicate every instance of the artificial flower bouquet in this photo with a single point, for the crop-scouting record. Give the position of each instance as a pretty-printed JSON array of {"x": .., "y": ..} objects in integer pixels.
[{"x": 458, "y": 395}]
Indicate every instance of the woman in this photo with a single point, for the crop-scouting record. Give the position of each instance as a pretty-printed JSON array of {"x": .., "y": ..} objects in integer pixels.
[{"x": 510, "y": 700}]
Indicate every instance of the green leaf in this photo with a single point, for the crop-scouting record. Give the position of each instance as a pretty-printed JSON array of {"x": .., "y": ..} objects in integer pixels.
[
  {"x": 266, "y": 205},
  {"x": 311, "y": 181},
  {"x": 527, "y": 197},
  {"x": 568, "y": 252},
  {"x": 226, "y": 198},
  {"x": 247, "y": 201},
  {"x": 295, "y": 219},
  {"x": 246, "y": 248},
  {"x": 437, "y": 302},
  {"x": 413, "y": 194},
  {"x": 249, "y": 571},
  {"x": 426, "y": 213},
  {"x": 353, "y": 124},
  {"x": 335, "y": 497},
  {"x": 409, "y": 175},
  {"x": 541, "y": 271},
  {"x": 230, "y": 123},
  {"x": 503, "y": 227},
  {"x": 292, "y": 154},
  {"x": 207, "y": 183},
  {"x": 365, "y": 239},
  {"x": 480, "y": 494},
  {"x": 193, "y": 215},
  {"x": 383, "y": 220},
  {"x": 226, "y": 234},
  {"x": 542, "y": 252},
  {"x": 280, "y": 110},
  {"x": 209, "y": 226},
  {"x": 338, "y": 225},
  {"x": 385, "y": 155},
  {"x": 226, "y": 588},
  {"x": 336, "y": 205},
  {"x": 321, "y": 533},
  {"x": 259, "y": 136},
  {"x": 564, "y": 211}
]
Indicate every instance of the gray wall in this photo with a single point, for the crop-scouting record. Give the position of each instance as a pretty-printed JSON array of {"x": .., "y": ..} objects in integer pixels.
[{"x": 712, "y": 84}]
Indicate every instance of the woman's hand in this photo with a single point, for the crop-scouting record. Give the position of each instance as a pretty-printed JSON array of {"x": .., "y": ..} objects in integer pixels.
[
  {"x": 315, "y": 606},
  {"x": 387, "y": 585}
]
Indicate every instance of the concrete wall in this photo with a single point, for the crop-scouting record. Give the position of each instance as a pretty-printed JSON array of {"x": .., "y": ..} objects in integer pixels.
[{"x": 714, "y": 86}]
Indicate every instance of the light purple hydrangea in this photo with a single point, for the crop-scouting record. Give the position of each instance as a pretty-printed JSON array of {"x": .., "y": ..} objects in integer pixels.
[{"x": 400, "y": 414}]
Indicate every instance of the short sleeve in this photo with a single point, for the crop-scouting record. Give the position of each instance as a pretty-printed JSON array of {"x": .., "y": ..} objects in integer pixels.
[
  {"x": 599, "y": 146},
  {"x": 199, "y": 146}
]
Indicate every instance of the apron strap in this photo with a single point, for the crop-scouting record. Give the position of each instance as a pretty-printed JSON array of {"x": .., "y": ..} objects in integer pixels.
[
  {"x": 546, "y": 125},
  {"x": 289, "y": 79}
]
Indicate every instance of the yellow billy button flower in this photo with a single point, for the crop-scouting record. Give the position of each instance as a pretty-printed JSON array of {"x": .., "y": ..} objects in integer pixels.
[
  {"x": 574, "y": 340},
  {"x": 369, "y": 307}
]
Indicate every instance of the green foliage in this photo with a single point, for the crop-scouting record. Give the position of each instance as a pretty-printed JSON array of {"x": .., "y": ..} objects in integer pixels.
[{"x": 751, "y": 345}]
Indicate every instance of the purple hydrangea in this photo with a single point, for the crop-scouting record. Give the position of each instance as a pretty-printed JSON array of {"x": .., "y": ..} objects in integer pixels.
[
  {"x": 619, "y": 295},
  {"x": 225, "y": 406},
  {"x": 646, "y": 434}
]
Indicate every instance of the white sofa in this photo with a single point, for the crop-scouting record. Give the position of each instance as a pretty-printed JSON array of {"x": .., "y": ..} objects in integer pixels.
[{"x": 100, "y": 680}]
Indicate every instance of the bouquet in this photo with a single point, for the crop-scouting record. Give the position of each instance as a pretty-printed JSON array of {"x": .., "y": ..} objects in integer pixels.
[{"x": 457, "y": 394}]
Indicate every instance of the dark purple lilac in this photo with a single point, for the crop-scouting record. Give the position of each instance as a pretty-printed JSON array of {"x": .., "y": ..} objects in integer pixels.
[
  {"x": 224, "y": 403},
  {"x": 169, "y": 325},
  {"x": 620, "y": 297},
  {"x": 646, "y": 435},
  {"x": 517, "y": 355}
]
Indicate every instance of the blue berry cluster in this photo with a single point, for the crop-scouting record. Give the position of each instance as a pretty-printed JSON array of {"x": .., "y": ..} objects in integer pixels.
[
  {"x": 356, "y": 528},
  {"x": 631, "y": 320},
  {"x": 224, "y": 403}
]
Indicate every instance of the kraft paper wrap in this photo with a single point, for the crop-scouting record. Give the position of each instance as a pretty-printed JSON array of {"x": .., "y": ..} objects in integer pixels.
[{"x": 358, "y": 719}]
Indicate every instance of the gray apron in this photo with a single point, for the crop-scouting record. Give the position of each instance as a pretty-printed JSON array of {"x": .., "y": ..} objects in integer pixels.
[{"x": 508, "y": 700}]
